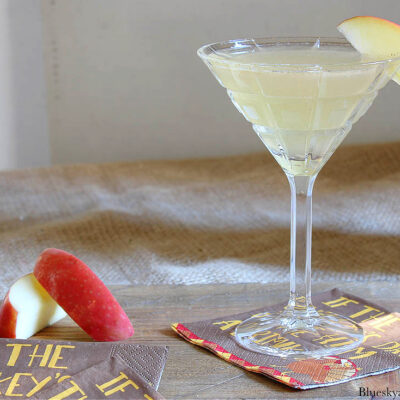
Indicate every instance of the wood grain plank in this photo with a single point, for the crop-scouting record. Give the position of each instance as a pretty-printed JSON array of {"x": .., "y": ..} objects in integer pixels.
[{"x": 192, "y": 372}]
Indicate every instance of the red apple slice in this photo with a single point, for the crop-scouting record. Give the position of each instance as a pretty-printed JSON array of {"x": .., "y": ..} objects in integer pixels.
[
  {"x": 27, "y": 309},
  {"x": 85, "y": 298},
  {"x": 373, "y": 37}
]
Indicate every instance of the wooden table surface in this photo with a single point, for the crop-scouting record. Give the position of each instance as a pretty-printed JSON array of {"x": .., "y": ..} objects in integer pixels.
[{"x": 194, "y": 373}]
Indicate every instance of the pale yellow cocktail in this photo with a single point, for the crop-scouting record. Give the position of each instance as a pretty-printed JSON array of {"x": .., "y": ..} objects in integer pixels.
[{"x": 301, "y": 114}]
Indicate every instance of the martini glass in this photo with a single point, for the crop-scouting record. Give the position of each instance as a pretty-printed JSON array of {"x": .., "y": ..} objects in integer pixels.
[{"x": 302, "y": 96}]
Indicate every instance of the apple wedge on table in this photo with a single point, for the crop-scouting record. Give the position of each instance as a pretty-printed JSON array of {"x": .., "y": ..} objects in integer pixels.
[
  {"x": 85, "y": 298},
  {"x": 27, "y": 309},
  {"x": 62, "y": 284}
]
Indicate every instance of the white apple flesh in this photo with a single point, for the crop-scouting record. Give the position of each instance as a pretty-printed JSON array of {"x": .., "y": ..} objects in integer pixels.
[
  {"x": 374, "y": 37},
  {"x": 27, "y": 309}
]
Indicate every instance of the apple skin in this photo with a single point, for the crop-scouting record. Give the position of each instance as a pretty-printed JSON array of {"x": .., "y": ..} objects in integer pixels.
[
  {"x": 27, "y": 308},
  {"x": 8, "y": 319},
  {"x": 82, "y": 295}
]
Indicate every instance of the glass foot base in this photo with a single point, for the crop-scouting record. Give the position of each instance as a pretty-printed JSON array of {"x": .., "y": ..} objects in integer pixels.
[{"x": 315, "y": 336}]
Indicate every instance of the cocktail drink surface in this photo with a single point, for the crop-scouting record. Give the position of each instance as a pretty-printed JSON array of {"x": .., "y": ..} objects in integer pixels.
[
  {"x": 302, "y": 97},
  {"x": 298, "y": 97}
]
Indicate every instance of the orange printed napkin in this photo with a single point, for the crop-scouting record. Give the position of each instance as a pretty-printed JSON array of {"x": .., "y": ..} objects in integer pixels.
[{"x": 379, "y": 353}]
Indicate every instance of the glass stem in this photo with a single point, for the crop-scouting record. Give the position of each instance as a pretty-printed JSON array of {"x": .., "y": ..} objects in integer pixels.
[{"x": 300, "y": 304}]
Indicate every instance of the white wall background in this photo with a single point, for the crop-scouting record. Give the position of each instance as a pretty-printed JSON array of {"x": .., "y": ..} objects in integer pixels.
[
  {"x": 124, "y": 82},
  {"x": 23, "y": 120}
]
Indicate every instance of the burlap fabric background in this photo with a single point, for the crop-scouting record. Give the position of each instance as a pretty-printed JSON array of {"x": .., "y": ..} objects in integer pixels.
[{"x": 204, "y": 221}]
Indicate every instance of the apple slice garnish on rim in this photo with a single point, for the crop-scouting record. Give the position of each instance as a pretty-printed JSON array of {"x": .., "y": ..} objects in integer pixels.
[
  {"x": 374, "y": 37},
  {"x": 82, "y": 295},
  {"x": 27, "y": 308}
]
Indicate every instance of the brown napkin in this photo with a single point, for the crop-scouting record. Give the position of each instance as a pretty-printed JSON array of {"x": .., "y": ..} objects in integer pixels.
[
  {"x": 379, "y": 353},
  {"x": 41, "y": 369}
]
